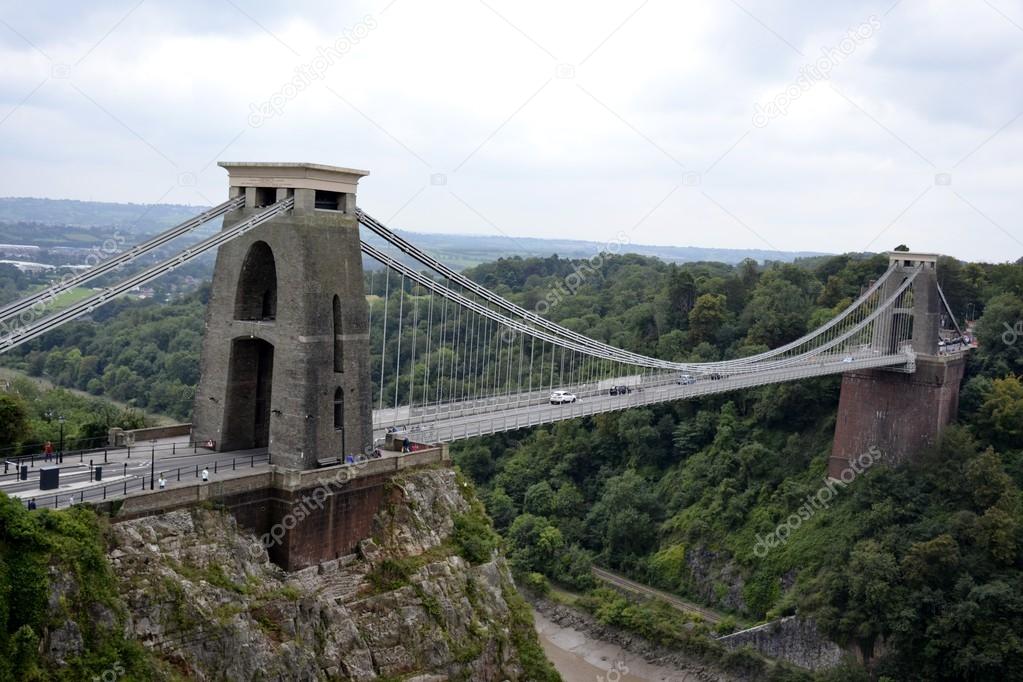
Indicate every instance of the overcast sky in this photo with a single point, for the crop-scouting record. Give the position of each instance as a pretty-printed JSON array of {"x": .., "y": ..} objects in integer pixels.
[{"x": 839, "y": 126}]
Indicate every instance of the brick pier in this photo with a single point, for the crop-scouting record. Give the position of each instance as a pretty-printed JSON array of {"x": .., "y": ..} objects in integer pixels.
[{"x": 900, "y": 414}]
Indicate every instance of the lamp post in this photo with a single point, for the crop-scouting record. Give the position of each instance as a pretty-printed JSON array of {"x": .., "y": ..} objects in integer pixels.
[{"x": 60, "y": 451}]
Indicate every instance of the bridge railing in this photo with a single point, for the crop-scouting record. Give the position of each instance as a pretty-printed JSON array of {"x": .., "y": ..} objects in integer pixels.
[
  {"x": 461, "y": 428},
  {"x": 143, "y": 450},
  {"x": 136, "y": 482},
  {"x": 416, "y": 418},
  {"x": 404, "y": 416}
]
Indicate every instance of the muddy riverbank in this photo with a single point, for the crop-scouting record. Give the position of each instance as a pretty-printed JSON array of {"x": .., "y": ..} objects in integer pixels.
[{"x": 585, "y": 651}]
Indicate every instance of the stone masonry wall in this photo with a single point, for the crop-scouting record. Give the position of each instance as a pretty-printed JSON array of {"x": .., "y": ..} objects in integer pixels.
[
  {"x": 304, "y": 518},
  {"x": 792, "y": 639},
  {"x": 899, "y": 414}
]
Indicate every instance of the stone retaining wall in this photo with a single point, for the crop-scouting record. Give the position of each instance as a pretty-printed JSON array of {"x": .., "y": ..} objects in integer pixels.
[
  {"x": 792, "y": 639},
  {"x": 304, "y": 517}
]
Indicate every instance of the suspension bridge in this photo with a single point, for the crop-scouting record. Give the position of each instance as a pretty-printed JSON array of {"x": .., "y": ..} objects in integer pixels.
[{"x": 300, "y": 358}]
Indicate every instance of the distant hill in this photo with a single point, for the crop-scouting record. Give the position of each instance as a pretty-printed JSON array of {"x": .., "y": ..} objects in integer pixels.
[
  {"x": 466, "y": 250},
  {"x": 20, "y": 215},
  {"x": 74, "y": 213}
]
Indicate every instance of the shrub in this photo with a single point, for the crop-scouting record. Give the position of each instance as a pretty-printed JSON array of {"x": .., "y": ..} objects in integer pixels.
[{"x": 474, "y": 538}]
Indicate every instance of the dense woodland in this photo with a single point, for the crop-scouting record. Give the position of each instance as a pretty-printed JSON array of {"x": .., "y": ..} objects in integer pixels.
[{"x": 919, "y": 566}]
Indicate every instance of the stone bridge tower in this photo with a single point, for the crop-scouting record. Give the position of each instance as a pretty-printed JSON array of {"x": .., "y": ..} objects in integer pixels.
[
  {"x": 285, "y": 355},
  {"x": 901, "y": 413}
]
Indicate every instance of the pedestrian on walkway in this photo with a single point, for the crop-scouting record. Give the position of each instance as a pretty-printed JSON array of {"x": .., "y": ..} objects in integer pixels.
[
  {"x": 47, "y": 451},
  {"x": 163, "y": 482},
  {"x": 32, "y": 504},
  {"x": 406, "y": 445},
  {"x": 205, "y": 474}
]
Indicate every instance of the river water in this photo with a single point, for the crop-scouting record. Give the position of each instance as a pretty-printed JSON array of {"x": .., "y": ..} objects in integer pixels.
[{"x": 580, "y": 658}]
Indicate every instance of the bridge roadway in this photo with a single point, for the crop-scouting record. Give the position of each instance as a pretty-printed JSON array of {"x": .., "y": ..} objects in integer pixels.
[
  {"x": 127, "y": 471},
  {"x": 457, "y": 421}
]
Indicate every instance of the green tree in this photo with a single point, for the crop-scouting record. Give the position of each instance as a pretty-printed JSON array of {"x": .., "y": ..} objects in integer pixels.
[
  {"x": 1000, "y": 335},
  {"x": 681, "y": 297},
  {"x": 622, "y": 523},
  {"x": 707, "y": 317},
  {"x": 476, "y": 461},
  {"x": 534, "y": 544},
  {"x": 500, "y": 507},
  {"x": 539, "y": 499},
  {"x": 13, "y": 420},
  {"x": 1000, "y": 416},
  {"x": 780, "y": 306}
]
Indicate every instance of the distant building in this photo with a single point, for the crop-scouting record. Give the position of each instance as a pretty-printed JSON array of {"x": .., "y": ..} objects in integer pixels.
[{"x": 27, "y": 266}]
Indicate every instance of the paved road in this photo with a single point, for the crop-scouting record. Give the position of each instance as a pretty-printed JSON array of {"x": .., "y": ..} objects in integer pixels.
[
  {"x": 493, "y": 415},
  {"x": 130, "y": 471},
  {"x": 624, "y": 583}
]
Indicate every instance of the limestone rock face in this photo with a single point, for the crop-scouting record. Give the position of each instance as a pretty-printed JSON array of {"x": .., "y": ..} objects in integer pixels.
[{"x": 204, "y": 597}]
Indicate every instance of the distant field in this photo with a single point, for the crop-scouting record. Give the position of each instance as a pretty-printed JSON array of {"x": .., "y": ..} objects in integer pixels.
[
  {"x": 63, "y": 300},
  {"x": 72, "y": 296}
]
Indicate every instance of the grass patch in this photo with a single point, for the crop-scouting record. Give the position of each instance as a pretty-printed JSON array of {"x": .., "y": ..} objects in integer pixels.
[{"x": 388, "y": 575}]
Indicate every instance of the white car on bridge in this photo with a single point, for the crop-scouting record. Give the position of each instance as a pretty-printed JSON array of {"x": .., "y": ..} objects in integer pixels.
[{"x": 562, "y": 397}]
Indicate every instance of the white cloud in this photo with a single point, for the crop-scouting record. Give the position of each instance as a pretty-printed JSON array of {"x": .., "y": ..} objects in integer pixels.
[{"x": 538, "y": 133}]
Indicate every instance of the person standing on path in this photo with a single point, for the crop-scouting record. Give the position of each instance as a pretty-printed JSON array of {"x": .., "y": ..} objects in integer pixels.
[{"x": 205, "y": 475}]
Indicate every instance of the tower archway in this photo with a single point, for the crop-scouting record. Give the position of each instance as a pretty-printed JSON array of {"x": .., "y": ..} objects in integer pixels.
[
  {"x": 256, "y": 296},
  {"x": 249, "y": 384}
]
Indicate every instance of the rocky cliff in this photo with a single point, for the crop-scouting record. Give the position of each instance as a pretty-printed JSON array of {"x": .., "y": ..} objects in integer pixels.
[{"x": 204, "y": 602}]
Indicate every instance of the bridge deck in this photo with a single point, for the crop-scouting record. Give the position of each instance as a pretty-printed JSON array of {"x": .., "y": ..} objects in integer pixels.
[{"x": 456, "y": 421}]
